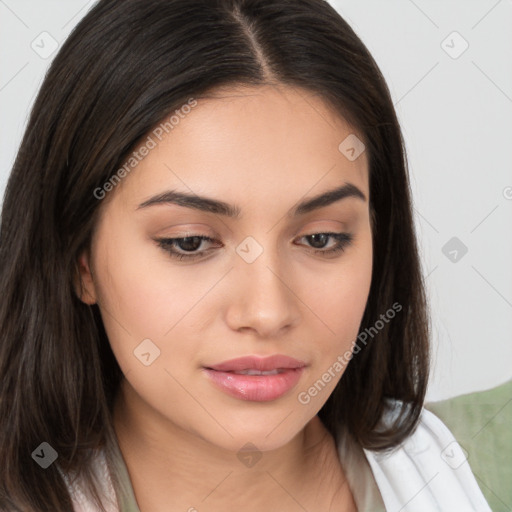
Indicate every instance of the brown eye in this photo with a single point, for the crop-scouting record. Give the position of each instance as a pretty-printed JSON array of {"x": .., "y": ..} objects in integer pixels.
[
  {"x": 319, "y": 241},
  {"x": 179, "y": 247}
]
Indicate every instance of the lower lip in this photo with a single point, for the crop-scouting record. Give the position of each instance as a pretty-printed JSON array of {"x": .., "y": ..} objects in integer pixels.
[{"x": 256, "y": 388}]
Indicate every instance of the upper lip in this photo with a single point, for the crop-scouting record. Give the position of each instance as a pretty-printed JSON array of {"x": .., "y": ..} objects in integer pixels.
[{"x": 258, "y": 363}]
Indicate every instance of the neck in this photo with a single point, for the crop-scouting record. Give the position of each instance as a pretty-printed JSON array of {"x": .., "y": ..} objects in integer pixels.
[{"x": 171, "y": 468}]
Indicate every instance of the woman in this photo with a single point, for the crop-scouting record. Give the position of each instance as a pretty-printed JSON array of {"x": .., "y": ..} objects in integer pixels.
[{"x": 212, "y": 290}]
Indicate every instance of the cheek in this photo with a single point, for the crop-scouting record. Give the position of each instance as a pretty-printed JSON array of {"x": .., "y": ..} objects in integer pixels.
[
  {"x": 145, "y": 290},
  {"x": 350, "y": 295},
  {"x": 339, "y": 301},
  {"x": 340, "y": 298},
  {"x": 142, "y": 296}
]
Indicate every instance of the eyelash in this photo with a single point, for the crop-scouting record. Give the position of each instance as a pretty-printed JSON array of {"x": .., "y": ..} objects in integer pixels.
[{"x": 343, "y": 240}]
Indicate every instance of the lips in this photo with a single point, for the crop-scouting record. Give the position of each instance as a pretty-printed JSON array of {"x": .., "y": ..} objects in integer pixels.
[
  {"x": 258, "y": 363},
  {"x": 255, "y": 378}
]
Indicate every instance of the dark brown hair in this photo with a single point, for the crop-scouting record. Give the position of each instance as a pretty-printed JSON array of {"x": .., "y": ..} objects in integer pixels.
[{"x": 127, "y": 65}]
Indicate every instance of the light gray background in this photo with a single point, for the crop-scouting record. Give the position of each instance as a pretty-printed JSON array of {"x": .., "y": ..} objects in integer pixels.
[{"x": 455, "y": 109}]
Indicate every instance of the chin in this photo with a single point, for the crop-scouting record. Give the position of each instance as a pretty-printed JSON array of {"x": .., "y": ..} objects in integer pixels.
[{"x": 264, "y": 430}]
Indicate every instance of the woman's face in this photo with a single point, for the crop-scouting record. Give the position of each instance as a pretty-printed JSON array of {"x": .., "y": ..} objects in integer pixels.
[{"x": 259, "y": 285}]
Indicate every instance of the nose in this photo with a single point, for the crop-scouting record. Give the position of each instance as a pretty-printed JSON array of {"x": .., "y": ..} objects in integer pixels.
[{"x": 262, "y": 299}]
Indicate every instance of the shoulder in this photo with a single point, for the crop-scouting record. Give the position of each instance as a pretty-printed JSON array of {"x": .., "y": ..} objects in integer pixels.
[{"x": 428, "y": 471}]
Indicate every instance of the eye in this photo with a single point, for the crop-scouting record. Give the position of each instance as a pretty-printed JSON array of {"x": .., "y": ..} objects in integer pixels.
[
  {"x": 187, "y": 248},
  {"x": 188, "y": 244},
  {"x": 319, "y": 241}
]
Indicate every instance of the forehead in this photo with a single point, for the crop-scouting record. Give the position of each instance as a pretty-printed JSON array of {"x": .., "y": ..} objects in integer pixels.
[{"x": 250, "y": 142}]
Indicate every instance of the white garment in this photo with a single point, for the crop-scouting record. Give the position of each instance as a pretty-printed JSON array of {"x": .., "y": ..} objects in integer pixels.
[
  {"x": 83, "y": 502},
  {"x": 428, "y": 472}
]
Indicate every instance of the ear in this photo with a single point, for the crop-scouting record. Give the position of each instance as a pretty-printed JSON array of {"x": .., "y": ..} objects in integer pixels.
[{"x": 84, "y": 283}]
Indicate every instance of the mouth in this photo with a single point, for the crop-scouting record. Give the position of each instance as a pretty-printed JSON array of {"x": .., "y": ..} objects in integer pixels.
[
  {"x": 258, "y": 372},
  {"x": 256, "y": 379}
]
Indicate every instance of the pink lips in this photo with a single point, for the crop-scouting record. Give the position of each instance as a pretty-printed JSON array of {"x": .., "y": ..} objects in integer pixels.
[{"x": 281, "y": 373}]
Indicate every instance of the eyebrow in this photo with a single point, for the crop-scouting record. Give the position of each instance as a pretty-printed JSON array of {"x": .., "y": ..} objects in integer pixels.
[{"x": 218, "y": 207}]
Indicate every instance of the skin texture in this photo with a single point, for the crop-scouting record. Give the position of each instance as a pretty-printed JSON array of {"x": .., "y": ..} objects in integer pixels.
[{"x": 262, "y": 149}]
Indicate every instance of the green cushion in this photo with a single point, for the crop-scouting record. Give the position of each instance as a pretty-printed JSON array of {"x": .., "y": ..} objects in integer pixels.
[{"x": 482, "y": 424}]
